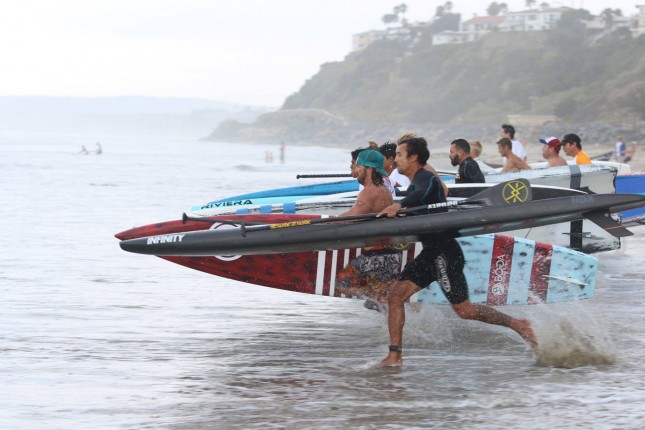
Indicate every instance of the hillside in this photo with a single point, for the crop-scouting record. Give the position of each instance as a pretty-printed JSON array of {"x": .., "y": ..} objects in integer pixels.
[
  {"x": 391, "y": 86},
  {"x": 547, "y": 73}
]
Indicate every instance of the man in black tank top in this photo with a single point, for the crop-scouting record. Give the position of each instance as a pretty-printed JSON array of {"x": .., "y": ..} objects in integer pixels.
[{"x": 440, "y": 260}]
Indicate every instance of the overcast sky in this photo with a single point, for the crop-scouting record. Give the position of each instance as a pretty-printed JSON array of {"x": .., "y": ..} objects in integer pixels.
[{"x": 242, "y": 51}]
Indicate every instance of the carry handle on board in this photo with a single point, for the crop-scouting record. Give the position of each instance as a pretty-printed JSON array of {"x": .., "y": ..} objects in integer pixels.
[{"x": 505, "y": 193}]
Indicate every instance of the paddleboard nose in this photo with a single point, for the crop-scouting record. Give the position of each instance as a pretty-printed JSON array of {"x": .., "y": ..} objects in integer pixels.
[{"x": 122, "y": 235}]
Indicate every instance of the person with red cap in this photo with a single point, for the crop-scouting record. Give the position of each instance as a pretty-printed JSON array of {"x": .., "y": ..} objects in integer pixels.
[{"x": 551, "y": 152}]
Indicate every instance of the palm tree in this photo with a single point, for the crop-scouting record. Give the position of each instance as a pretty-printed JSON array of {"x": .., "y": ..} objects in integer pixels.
[
  {"x": 494, "y": 9},
  {"x": 389, "y": 18},
  {"x": 401, "y": 9}
]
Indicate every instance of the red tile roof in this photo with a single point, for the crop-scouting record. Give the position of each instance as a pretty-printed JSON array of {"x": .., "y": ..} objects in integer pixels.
[{"x": 485, "y": 20}]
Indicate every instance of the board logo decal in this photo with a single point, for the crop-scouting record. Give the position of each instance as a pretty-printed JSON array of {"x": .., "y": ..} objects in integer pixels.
[
  {"x": 225, "y": 204},
  {"x": 499, "y": 272},
  {"x": 166, "y": 238},
  {"x": 582, "y": 199},
  {"x": 441, "y": 266},
  {"x": 290, "y": 224},
  {"x": 515, "y": 192},
  {"x": 501, "y": 264}
]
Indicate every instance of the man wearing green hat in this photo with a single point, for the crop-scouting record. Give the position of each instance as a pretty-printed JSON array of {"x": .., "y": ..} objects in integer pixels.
[{"x": 371, "y": 273}]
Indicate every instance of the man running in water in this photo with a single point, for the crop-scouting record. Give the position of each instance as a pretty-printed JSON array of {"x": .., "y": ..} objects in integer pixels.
[
  {"x": 370, "y": 274},
  {"x": 441, "y": 259}
]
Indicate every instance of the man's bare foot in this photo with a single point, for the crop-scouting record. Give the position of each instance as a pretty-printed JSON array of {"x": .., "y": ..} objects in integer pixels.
[
  {"x": 393, "y": 359},
  {"x": 525, "y": 329}
]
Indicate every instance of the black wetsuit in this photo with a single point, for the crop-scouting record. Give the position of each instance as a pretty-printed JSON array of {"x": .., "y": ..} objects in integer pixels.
[
  {"x": 469, "y": 172},
  {"x": 441, "y": 259}
]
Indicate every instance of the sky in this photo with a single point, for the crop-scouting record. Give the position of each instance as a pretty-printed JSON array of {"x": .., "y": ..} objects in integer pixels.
[{"x": 248, "y": 52}]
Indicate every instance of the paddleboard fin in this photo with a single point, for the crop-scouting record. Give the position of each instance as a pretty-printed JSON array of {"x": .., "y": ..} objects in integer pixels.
[
  {"x": 567, "y": 279},
  {"x": 606, "y": 222}
]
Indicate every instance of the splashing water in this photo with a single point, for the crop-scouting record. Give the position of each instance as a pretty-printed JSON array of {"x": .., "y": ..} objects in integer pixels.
[{"x": 570, "y": 345}]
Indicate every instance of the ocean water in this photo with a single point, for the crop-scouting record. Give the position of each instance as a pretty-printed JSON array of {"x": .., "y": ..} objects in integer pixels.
[{"x": 93, "y": 337}]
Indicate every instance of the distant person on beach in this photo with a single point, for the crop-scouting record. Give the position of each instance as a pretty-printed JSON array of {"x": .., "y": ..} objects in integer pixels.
[
  {"x": 476, "y": 152},
  {"x": 388, "y": 150},
  {"x": 621, "y": 149},
  {"x": 441, "y": 259},
  {"x": 512, "y": 162},
  {"x": 99, "y": 150},
  {"x": 83, "y": 150},
  {"x": 572, "y": 145},
  {"x": 469, "y": 171},
  {"x": 370, "y": 274},
  {"x": 508, "y": 132},
  {"x": 551, "y": 152},
  {"x": 282, "y": 150},
  {"x": 629, "y": 152}
]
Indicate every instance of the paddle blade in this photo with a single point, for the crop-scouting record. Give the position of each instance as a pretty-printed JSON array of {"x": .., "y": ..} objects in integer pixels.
[{"x": 506, "y": 193}]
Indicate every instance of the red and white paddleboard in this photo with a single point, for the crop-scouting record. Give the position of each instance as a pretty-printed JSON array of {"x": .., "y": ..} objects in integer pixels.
[{"x": 500, "y": 270}]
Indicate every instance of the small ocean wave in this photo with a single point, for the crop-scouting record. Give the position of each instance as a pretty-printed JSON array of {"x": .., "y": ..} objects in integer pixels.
[{"x": 245, "y": 168}]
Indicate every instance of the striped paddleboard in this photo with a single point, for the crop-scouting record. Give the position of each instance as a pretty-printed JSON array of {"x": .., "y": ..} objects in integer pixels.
[{"x": 500, "y": 270}]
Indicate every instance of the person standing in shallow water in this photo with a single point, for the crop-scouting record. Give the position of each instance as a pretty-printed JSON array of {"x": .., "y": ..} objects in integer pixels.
[{"x": 441, "y": 259}]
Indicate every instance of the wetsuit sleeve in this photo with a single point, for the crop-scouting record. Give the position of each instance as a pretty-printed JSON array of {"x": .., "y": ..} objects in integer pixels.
[{"x": 424, "y": 190}]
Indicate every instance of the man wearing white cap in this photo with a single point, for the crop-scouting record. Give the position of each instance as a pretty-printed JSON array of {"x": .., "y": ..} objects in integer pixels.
[{"x": 551, "y": 152}]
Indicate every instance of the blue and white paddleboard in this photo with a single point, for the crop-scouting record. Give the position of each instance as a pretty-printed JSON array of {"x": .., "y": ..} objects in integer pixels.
[{"x": 632, "y": 184}]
